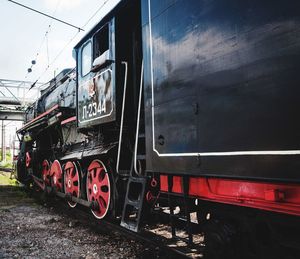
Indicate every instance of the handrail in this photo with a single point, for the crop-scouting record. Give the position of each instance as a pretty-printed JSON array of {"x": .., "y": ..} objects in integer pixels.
[
  {"x": 122, "y": 116},
  {"x": 138, "y": 120}
]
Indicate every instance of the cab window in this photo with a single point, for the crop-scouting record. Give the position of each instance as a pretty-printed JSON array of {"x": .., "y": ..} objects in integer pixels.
[
  {"x": 101, "y": 41},
  {"x": 86, "y": 59}
]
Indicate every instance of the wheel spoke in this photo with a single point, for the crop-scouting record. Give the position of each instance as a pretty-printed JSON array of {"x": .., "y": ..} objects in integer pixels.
[
  {"x": 102, "y": 203},
  {"x": 75, "y": 178},
  {"x": 67, "y": 172},
  {"x": 94, "y": 173},
  {"x": 104, "y": 195},
  {"x": 105, "y": 180},
  {"x": 71, "y": 171}
]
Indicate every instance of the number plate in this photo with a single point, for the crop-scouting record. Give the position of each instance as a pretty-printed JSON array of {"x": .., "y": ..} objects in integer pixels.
[{"x": 95, "y": 99}]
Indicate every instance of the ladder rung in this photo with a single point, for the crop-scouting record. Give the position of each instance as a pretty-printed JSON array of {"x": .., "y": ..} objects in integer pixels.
[
  {"x": 129, "y": 225},
  {"x": 124, "y": 171},
  {"x": 141, "y": 180},
  {"x": 135, "y": 204},
  {"x": 141, "y": 157}
]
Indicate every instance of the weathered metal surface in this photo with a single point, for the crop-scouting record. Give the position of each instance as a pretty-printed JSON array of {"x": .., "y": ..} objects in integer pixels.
[{"x": 88, "y": 152}]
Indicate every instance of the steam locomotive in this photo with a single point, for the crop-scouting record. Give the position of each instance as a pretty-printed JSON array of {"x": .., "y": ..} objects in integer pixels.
[{"x": 180, "y": 104}]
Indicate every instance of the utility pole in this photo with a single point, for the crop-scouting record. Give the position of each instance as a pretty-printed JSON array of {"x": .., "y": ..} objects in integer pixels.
[{"x": 3, "y": 157}]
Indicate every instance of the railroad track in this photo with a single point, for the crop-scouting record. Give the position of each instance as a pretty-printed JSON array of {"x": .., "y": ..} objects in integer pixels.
[
  {"x": 6, "y": 169},
  {"x": 165, "y": 247}
]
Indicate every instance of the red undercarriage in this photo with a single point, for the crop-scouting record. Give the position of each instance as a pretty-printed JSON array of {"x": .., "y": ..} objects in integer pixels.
[{"x": 284, "y": 198}]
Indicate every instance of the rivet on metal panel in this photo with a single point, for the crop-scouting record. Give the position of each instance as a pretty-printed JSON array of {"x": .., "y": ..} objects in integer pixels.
[
  {"x": 195, "y": 108},
  {"x": 161, "y": 140}
]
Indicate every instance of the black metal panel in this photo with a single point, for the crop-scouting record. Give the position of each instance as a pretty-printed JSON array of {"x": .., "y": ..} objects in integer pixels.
[
  {"x": 169, "y": 120},
  {"x": 63, "y": 95},
  {"x": 223, "y": 79},
  {"x": 88, "y": 152}
]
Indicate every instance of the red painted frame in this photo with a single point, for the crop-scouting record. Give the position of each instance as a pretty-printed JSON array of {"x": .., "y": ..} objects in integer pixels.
[
  {"x": 40, "y": 116},
  {"x": 68, "y": 120},
  {"x": 277, "y": 197}
]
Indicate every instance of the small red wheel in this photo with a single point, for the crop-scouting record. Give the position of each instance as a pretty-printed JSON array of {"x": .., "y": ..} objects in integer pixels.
[
  {"x": 56, "y": 175},
  {"x": 72, "y": 181},
  {"x": 153, "y": 182},
  {"x": 98, "y": 188},
  {"x": 46, "y": 172},
  {"x": 149, "y": 196},
  {"x": 28, "y": 159}
]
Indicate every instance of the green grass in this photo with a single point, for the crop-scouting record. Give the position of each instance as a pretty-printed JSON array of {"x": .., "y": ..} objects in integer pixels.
[
  {"x": 5, "y": 179},
  {"x": 8, "y": 163}
]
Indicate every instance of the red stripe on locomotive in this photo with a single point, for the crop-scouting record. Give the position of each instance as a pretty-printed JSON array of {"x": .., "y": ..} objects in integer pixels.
[{"x": 284, "y": 198}]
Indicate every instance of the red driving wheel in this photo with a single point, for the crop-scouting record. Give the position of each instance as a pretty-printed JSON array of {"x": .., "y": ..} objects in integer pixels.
[
  {"x": 46, "y": 172},
  {"x": 56, "y": 175},
  {"x": 98, "y": 188},
  {"x": 27, "y": 159},
  {"x": 71, "y": 181}
]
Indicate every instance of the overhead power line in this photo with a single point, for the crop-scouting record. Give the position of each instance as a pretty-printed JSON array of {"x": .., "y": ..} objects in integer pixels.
[
  {"x": 67, "y": 44},
  {"x": 53, "y": 61},
  {"x": 33, "y": 62},
  {"x": 50, "y": 16},
  {"x": 94, "y": 14}
]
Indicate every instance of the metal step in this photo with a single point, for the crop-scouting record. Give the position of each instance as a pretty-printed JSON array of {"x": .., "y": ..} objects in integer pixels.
[{"x": 133, "y": 205}]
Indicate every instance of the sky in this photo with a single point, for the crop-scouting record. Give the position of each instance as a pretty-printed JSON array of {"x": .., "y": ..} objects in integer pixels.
[{"x": 22, "y": 34}]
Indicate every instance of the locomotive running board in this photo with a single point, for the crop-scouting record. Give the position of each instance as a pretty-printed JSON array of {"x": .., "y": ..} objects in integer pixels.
[
  {"x": 133, "y": 205},
  {"x": 48, "y": 118}
]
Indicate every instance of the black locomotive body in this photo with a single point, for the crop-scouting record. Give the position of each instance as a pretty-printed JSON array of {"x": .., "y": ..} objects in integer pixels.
[
  {"x": 189, "y": 104},
  {"x": 222, "y": 88}
]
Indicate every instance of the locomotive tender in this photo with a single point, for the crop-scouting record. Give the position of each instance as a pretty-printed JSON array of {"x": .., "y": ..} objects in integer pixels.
[{"x": 195, "y": 101}]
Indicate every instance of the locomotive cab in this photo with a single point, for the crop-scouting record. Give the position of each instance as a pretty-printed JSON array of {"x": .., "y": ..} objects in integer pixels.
[
  {"x": 109, "y": 62},
  {"x": 96, "y": 83},
  {"x": 109, "y": 57}
]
